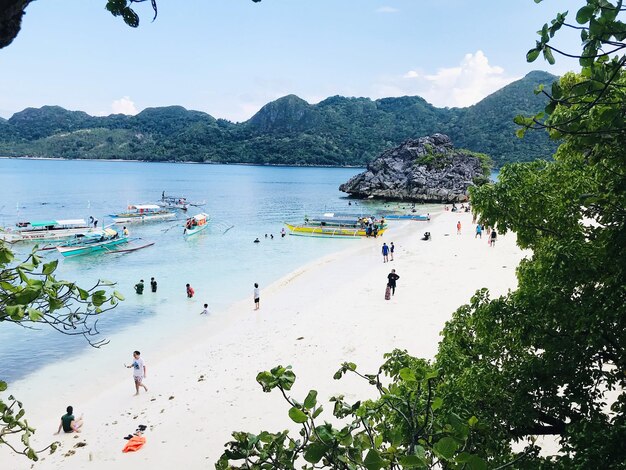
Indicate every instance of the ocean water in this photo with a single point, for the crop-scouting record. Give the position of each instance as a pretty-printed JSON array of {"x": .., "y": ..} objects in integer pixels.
[{"x": 222, "y": 263}]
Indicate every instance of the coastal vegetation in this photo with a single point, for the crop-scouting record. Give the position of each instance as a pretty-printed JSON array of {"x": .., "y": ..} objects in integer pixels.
[
  {"x": 32, "y": 296},
  {"x": 544, "y": 360},
  {"x": 338, "y": 131}
]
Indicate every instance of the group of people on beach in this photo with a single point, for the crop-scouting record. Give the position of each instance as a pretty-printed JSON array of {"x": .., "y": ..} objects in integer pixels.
[{"x": 372, "y": 226}]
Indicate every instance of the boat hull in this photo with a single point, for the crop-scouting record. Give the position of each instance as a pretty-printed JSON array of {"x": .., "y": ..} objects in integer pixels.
[
  {"x": 329, "y": 231},
  {"x": 90, "y": 248},
  {"x": 423, "y": 218},
  {"x": 189, "y": 232},
  {"x": 131, "y": 218},
  {"x": 43, "y": 235}
]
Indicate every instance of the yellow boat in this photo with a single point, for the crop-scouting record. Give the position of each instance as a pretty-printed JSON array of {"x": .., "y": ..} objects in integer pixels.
[{"x": 325, "y": 231}]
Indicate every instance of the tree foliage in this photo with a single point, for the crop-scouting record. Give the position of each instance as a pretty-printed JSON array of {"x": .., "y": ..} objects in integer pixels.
[{"x": 32, "y": 297}]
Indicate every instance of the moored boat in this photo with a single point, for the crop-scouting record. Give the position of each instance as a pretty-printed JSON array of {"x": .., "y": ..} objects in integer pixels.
[
  {"x": 196, "y": 224},
  {"x": 173, "y": 202},
  {"x": 325, "y": 231},
  {"x": 143, "y": 213},
  {"x": 408, "y": 217},
  {"x": 46, "y": 230},
  {"x": 101, "y": 240}
]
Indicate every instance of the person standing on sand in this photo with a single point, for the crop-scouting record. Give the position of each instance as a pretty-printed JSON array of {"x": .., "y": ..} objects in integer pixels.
[
  {"x": 479, "y": 231},
  {"x": 68, "y": 423},
  {"x": 385, "y": 253},
  {"x": 391, "y": 281},
  {"x": 139, "y": 287},
  {"x": 458, "y": 228},
  {"x": 190, "y": 291},
  {"x": 139, "y": 371},
  {"x": 493, "y": 237},
  {"x": 153, "y": 284},
  {"x": 391, "y": 250},
  {"x": 257, "y": 296}
]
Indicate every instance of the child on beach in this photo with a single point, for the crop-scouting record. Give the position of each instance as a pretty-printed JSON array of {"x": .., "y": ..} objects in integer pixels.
[
  {"x": 257, "y": 296},
  {"x": 458, "y": 228},
  {"x": 139, "y": 371},
  {"x": 206, "y": 310},
  {"x": 190, "y": 291},
  {"x": 68, "y": 423}
]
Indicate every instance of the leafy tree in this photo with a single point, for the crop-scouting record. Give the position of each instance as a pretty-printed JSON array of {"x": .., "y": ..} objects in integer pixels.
[
  {"x": 403, "y": 428},
  {"x": 31, "y": 296}
]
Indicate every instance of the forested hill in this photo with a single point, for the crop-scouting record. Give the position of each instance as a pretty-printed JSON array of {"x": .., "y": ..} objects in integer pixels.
[{"x": 337, "y": 131}]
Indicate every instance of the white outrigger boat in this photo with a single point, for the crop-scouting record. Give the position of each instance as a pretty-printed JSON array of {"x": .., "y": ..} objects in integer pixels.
[
  {"x": 173, "y": 202},
  {"x": 107, "y": 241},
  {"x": 196, "y": 224},
  {"x": 46, "y": 230},
  {"x": 143, "y": 213}
]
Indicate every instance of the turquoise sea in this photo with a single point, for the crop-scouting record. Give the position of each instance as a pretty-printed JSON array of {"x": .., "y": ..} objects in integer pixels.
[{"x": 220, "y": 263}]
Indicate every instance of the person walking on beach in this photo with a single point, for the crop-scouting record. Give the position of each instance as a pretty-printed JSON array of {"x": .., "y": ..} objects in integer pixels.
[
  {"x": 391, "y": 250},
  {"x": 190, "y": 291},
  {"x": 206, "y": 310},
  {"x": 392, "y": 278},
  {"x": 385, "y": 253},
  {"x": 458, "y": 228},
  {"x": 479, "y": 231},
  {"x": 153, "y": 284},
  {"x": 493, "y": 237},
  {"x": 257, "y": 296},
  {"x": 68, "y": 423},
  {"x": 139, "y": 287},
  {"x": 139, "y": 371}
]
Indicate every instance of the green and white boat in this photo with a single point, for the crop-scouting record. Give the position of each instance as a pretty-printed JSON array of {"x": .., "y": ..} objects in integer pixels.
[
  {"x": 196, "y": 224},
  {"x": 102, "y": 240}
]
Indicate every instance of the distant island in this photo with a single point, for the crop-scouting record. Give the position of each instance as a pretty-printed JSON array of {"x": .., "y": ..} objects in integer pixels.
[{"x": 338, "y": 131}]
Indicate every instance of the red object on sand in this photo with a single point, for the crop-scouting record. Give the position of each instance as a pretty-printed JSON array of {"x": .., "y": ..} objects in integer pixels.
[{"x": 134, "y": 444}]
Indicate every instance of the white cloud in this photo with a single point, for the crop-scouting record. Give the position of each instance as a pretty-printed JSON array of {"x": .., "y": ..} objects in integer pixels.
[
  {"x": 458, "y": 86},
  {"x": 387, "y": 9},
  {"x": 124, "y": 106}
]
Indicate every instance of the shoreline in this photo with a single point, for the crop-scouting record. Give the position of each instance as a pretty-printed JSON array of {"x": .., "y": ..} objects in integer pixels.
[{"x": 328, "y": 311}]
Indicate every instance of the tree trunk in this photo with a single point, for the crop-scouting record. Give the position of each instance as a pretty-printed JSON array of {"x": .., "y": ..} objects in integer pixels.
[{"x": 11, "y": 12}]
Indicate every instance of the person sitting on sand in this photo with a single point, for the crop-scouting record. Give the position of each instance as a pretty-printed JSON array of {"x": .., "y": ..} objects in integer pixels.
[
  {"x": 68, "y": 423},
  {"x": 206, "y": 310}
]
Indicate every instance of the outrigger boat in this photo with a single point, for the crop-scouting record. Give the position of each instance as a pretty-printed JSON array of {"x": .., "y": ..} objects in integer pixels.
[
  {"x": 143, "y": 213},
  {"x": 408, "y": 217},
  {"x": 93, "y": 242},
  {"x": 330, "y": 220},
  {"x": 45, "y": 230},
  {"x": 196, "y": 224},
  {"x": 173, "y": 202},
  {"x": 325, "y": 231},
  {"x": 107, "y": 241}
]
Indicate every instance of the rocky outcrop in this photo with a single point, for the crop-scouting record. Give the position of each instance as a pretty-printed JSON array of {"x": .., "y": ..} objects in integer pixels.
[{"x": 428, "y": 169}]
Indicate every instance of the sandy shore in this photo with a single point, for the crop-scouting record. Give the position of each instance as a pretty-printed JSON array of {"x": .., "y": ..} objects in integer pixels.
[{"x": 202, "y": 384}]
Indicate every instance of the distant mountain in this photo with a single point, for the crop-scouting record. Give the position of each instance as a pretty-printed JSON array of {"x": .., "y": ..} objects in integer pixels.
[{"x": 337, "y": 131}]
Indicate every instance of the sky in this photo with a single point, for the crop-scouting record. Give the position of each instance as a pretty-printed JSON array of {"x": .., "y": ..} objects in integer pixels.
[{"x": 230, "y": 57}]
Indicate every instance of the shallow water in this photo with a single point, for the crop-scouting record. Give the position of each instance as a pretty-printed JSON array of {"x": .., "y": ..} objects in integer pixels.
[{"x": 220, "y": 263}]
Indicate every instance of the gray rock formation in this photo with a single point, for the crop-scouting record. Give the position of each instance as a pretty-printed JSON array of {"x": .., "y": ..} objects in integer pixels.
[{"x": 428, "y": 169}]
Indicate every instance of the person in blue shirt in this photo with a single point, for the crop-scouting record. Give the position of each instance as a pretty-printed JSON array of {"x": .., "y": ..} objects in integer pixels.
[
  {"x": 385, "y": 253},
  {"x": 479, "y": 232}
]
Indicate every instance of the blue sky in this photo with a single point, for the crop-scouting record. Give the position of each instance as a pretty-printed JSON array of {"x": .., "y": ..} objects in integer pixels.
[{"x": 229, "y": 57}]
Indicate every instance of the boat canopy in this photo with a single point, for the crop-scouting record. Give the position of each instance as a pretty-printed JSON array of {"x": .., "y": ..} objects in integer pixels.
[
  {"x": 198, "y": 217},
  {"x": 144, "y": 207},
  {"x": 71, "y": 222},
  {"x": 109, "y": 232},
  {"x": 43, "y": 223}
]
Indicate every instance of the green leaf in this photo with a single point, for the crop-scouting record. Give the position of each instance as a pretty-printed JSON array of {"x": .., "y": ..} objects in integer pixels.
[
  {"x": 311, "y": 399},
  {"x": 446, "y": 447},
  {"x": 584, "y": 14},
  {"x": 50, "y": 267},
  {"x": 317, "y": 412},
  {"x": 472, "y": 421},
  {"x": 476, "y": 463},
  {"x": 373, "y": 460},
  {"x": 118, "y": 295},
  {"x": 412, "y": 461},
  {"x": 407, "y": 375},
  {"x": 532, "y": 54},
  {"x": 34, "y": 314},
  {"x": 437, "y": 403},
  {"x": 3, "y": 386},
  {"x": 297, "y": 415},
  {"x": 547, "y": 54},
  {"x": 314, "y": 452}
]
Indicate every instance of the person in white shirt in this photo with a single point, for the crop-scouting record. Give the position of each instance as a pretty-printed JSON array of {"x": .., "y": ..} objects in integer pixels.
[
  {"x": 206, "y": 310},
  {"x": 139, "y": 371},
  {"x": 256, "y": 296}
]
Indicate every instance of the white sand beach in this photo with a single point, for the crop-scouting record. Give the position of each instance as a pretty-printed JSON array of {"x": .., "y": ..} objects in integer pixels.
[{"x": 202, "y": 382}]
